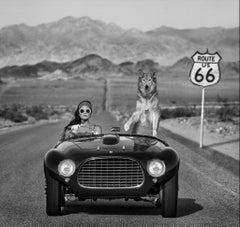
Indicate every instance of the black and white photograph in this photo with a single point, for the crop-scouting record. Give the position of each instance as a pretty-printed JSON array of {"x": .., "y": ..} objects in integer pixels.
[{"x": 119, "y": 113}]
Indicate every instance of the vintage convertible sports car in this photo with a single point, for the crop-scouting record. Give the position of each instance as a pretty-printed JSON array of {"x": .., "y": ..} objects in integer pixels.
[{"x": 112, "y": 166}]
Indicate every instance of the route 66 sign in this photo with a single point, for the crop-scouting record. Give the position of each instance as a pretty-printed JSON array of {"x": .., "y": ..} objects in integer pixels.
[{"x": 205, "y": 70}]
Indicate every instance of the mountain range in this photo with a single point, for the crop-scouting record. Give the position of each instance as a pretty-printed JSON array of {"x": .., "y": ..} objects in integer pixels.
[
  {"x": 74, "y": 38},
  {"x": 94, "y": 66}
]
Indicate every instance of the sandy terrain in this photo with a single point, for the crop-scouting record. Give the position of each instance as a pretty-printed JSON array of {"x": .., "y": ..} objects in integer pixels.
[{"x": 221, "y": 136}]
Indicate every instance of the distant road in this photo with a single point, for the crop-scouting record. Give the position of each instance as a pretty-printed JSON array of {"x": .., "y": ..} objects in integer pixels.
[{"x": 203, "y": 199}]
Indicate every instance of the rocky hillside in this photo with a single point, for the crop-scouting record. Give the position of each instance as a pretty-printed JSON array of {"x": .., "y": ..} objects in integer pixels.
[
  {"x": 95, "y": 66},
  {"x": 73, "y": 38}
]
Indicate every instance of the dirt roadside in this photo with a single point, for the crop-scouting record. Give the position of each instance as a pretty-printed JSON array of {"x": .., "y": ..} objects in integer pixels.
[{"x": 220, "y": 136}]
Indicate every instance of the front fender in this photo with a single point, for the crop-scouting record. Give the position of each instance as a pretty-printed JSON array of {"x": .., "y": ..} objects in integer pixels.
[{"x": 51, "y": 161}]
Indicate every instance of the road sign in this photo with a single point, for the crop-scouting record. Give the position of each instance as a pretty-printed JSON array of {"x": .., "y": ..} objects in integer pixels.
[{"x": 205, "y": 70}]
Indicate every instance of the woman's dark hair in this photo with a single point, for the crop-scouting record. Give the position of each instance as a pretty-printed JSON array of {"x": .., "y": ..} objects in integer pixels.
[{"x": 76, "y": 119}]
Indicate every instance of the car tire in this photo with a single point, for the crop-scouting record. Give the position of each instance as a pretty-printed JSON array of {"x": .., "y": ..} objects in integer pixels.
[
  {"x": 170, "y": 197},
  {"x": 53, "y": 196}
]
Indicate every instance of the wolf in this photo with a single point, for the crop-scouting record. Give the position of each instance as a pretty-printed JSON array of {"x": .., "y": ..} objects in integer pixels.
[{"x": 146, "y": 118}]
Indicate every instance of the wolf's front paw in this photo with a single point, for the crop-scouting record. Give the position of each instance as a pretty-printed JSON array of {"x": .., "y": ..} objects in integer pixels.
[
  {"x": 126, "y": 126},
  {"x": 155, "y": 133}
]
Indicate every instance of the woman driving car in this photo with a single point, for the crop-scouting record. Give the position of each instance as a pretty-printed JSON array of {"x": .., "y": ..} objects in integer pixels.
[{"x": 80, "y": 124}]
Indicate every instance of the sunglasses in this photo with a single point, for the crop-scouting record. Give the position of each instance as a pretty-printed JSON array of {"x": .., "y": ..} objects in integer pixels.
[{"x": 85, "y": 110}]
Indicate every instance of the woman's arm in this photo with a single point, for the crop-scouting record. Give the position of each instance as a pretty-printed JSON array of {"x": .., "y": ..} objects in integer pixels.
[
  {"x": 62, "y": 136},
  {"x": 67, "y": 132},
  {"x": 97, "y": 129}
]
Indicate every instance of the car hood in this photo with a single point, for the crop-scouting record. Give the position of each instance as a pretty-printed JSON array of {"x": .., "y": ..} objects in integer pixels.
[{"x": 140, "y": 148}]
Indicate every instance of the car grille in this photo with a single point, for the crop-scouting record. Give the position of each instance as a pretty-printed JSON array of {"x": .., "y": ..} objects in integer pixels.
[{"x": 110, "y": 173}]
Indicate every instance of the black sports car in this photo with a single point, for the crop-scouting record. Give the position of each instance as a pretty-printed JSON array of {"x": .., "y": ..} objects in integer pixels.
[{"x": 112, "y": 166}]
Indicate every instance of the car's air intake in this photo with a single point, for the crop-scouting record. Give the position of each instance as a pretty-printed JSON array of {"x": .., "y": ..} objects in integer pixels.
[{"x": 110, "y": 173}]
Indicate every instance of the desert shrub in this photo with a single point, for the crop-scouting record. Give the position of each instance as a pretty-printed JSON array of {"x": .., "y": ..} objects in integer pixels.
[
  {"x": 226, "y": 111},
  {"x": 37, "y": 111},
  {"x": 178, "y": 112},
  {"x": 165, "y": 114},
  {"x": 13, "y": 113}
]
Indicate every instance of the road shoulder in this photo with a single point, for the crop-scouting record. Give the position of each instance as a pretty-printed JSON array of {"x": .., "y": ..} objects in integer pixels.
[{"x": 222, "y": 149}]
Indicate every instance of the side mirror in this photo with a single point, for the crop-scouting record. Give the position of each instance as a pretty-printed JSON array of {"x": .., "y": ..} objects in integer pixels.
[{"x": 115, "y": 129}]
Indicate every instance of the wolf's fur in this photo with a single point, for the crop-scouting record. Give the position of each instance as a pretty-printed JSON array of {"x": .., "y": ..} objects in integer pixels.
[{"x": 147, "y": 115}]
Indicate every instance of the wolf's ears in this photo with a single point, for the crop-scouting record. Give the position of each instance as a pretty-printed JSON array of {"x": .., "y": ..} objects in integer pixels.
[{"x": 140, "y": 73}]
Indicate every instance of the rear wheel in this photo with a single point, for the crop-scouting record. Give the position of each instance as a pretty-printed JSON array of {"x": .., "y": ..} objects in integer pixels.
[
  {"x": 170, "y": 197},
  {"x": 54, "y": 196}
]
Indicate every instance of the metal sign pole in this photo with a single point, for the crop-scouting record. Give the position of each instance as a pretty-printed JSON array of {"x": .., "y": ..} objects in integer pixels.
[{"x": 202, "y": 118}]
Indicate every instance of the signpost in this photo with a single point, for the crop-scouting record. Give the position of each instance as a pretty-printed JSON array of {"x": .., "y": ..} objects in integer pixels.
[{"x": 205, "y": 72}]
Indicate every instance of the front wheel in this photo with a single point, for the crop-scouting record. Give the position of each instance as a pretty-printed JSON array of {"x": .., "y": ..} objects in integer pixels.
[
  {"x": 53, "y": 196},
  {"x": 170, "y": 197}
]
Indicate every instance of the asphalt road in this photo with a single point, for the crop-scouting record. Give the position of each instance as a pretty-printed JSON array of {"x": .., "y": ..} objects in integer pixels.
[{"x": 208, "y": 195}]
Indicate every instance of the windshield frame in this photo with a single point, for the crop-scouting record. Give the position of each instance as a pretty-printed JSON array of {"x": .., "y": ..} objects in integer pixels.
[{"x": 81, "y": 138}]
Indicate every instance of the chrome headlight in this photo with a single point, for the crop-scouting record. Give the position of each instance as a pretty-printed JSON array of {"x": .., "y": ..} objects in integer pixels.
[
  {"x": 66, "y": 168},
  {"x": 156, "y": 168}
]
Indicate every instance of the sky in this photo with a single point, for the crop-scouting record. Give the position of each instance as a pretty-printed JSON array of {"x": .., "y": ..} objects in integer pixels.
[{"x": 141, "y": 14}]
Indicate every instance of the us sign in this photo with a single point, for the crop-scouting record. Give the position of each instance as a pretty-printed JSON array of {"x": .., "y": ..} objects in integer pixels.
[{"x": 205, "y": 70}]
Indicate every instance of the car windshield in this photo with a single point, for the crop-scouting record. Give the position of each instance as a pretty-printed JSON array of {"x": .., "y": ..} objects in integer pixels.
[
  {"x": 84, "y": 137},
  {"x": 142, "y": 140},
  {"x": 147, "y": 141}
]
